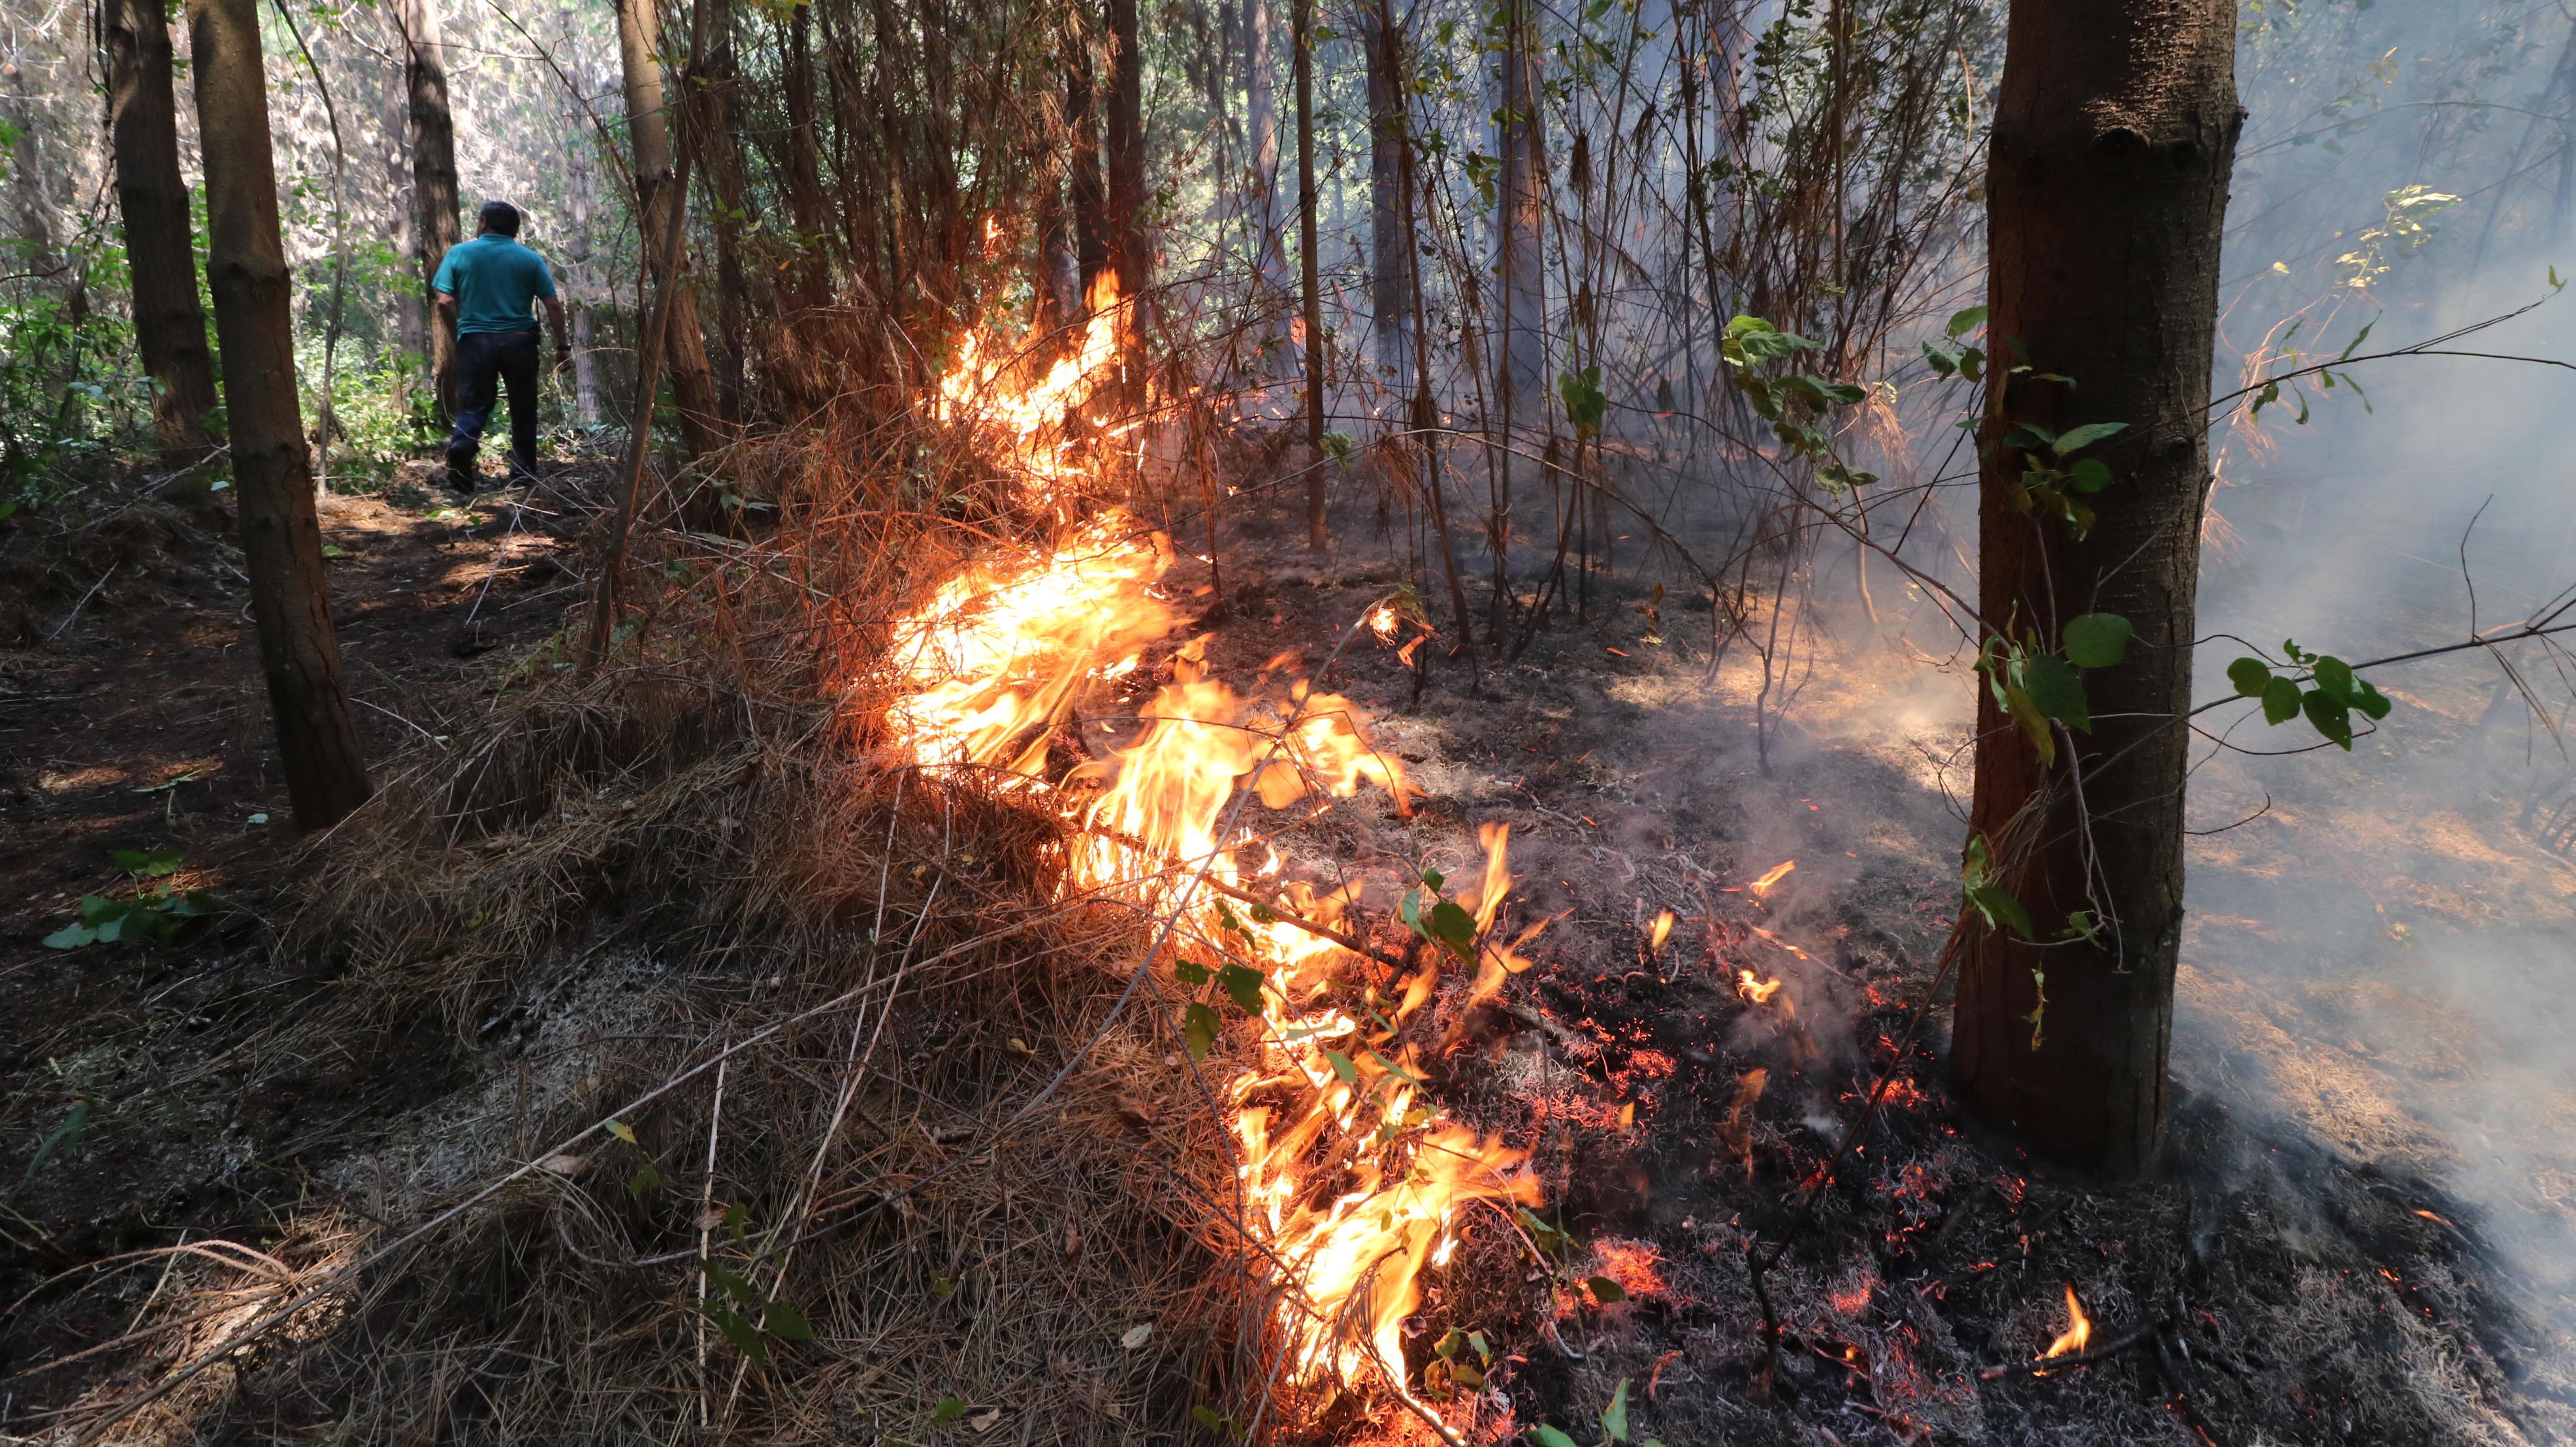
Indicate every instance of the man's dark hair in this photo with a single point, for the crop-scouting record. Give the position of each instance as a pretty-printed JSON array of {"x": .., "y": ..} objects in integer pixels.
[{"x": 500, "y": 218}]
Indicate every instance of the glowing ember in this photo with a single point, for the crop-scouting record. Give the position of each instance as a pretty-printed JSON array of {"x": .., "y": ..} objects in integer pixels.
[
  {"x": 1008, "y": 652},
  {"x": 1777, "y": 873},
  {"x": 2078, "y": 1332},
  {"x": 1755, "y": 989}
]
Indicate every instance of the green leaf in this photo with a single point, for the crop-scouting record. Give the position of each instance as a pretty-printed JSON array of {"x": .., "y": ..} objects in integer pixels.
[
  {"x": 1452, "y": 1342},
  {"x": 2000, "y": 909},
  {"x": 2075, "y": 439},
  {"x": 2096, "y": 640},
  {"x": 1348, "y": 1073},
  {"x": 2334, "y": 679},
  {"x": 2057, "y": 691},
  {"x": 1208, "y": 1417},
  {"x": 2034, "y": 724},
  {"x": 1191, "y": 973},
  {"x": 1243, "y": 983},
  {"x": 1585, "y": 404},
  {"x": 1264, "y": 914},
  {"x": 1546, "y": 1436},
  {"x": 1541, "y": 1234},
  {"x": 98, "y": 909},
  {"x": 66, "y": 1137},
  {"x": 2280, "y": 701},
  {"x": 1614, "y": 1418},
  {"x": 744, "y": 1336},
  {"x": 2370, "y": 700},
  {"x": 1432, "y": 880},
  {"x": 147, "y": 863},
  {"x": 1455, "y": 928},
  {"x": 622, "y": 1131},
  {"x": 1964, "y": 321},
  {"x": 2250, "y": 675},
  {"x": 1604, "y": 1290},
  {"x": 785, "y": 1322},
  {"x": 1199, "y": 1029},
  {"x": 70, "y": 937},
  {"x": 2332, "y": 718},
  {"x": 948, "y": 1410},
  {"x": 646, "y": 1178},
  {"x": 2088, "y": 475},
  {"x": 113, "y": 929}
]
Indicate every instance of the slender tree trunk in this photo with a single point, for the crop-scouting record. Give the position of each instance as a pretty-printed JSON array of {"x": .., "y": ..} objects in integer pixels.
[
  {"x": 160, "y": 246},
  {"x": 411, "y": 322},
  {"x": 1131, "y": 239},
  {"x": 1390, "y": 260},
  {"x": 804, "y": 170},
  {"x": 720, "y": 141},
  {"x": 1269, "y": 245},
  {"x": 1090, "y": 182},
  {"x": 1520, "y": 326},
  {"x": 326, "y": 775},
  {"x": 579, "y": 283},
  {"x": 433, "y": 178},
  {"x": 1302, "y": 38},
  {"x": 2114, "y": 131},
  {"x": 684, "y": 343}
]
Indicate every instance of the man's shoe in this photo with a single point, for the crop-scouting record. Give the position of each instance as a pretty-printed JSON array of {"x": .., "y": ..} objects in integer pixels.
[{"x": 460, "y": 470}]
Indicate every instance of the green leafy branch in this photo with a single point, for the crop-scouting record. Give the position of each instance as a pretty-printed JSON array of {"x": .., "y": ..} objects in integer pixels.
[
  {"x": 2329, "y": 699},
  {"x": 153, "y": 913},
  {"x": 1790, "y": 401},
  {"x": 1614, "y": 1425},
  {"x": 2035, "y": 685},
  {"x": 748, "y": 1317}
]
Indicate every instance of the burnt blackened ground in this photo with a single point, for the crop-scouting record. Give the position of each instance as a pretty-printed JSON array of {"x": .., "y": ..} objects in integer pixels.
[{"x": 2308, "y": 1291}]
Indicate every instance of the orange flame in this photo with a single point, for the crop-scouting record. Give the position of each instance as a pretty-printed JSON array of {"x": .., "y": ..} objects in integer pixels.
[
  {"x": 2077, "y": 1333},
  {"x": 1777, "y": 873},
  {"x": 1754, "y": 988},
  {"x": 994, "y": 665},
  {"x": 1663, "y": 931}
]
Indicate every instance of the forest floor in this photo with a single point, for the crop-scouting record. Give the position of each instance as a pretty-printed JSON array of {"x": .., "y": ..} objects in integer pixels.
[{"x": 2277, "y": 1285}]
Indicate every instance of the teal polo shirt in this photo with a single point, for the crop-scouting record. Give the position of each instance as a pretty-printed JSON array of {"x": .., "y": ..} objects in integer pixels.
[{"x": 496, "y": 282}]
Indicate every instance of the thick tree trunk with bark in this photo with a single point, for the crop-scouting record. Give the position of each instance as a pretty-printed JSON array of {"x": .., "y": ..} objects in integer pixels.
[
  {"x": 326, "y": 775},
  {"x": 411, "y": 312},
  {"x": 1269, "y": 243},
  {"x": 433, "y": 177},
  {"x": 2115, "y": 129},
  {"x": 1520, "y": 261},
  {"x": 160, "y": 248},
  {"x": 684, "y": 344},
  {"x": 1390, "y": 261}
]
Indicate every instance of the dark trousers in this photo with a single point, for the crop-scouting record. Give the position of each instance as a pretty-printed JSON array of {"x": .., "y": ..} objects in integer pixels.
[{"x": 484, "y": 361}]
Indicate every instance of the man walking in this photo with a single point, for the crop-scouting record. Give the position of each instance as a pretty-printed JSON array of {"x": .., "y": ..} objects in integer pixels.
[{"x": 486, "y": 290}]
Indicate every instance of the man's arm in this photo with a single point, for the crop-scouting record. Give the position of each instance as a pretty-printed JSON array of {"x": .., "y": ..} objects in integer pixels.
[
  {"x": 555, "y": 319},
  {"x": 443, "y": 306}
]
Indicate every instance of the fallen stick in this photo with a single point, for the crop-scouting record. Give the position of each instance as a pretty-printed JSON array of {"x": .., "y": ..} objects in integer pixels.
[{"x": 2103, "y": 1353}]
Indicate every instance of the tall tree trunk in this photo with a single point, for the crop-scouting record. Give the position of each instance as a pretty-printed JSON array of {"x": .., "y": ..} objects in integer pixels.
[
  {"x": 1390, "y": 261},
  {"x": 433, "y": 177},
  {"x": 1090, "y": 183},
  {"x": 2114, "y": 131},
  {"x": 1269, "y": 245},
  {"x": 411, "y": 316},
  {"x": 1520, "y": 324},
  {"x": 580, "y": 286},
  {"x": 326, "y": 775},
  {"x": 720, "y": 141},
  {"x": 804, "y": 169},
  {"x": 684, "y": 344},
  {"x": 160, "y": 246},
  {"x": 1302, "y": 39},
  {"x": 1131, "y": 253}
]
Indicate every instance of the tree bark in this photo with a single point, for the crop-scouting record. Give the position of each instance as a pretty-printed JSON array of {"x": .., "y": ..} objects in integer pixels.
[
  {"x": 684, "y": 344},
  {"x": 411, "y": 316},
  {"x": 1302, "y": 39},
  {"x": 160, "y": 248},
  {"x": 2114, "y": 132},
  {"x": 1269, "y": 244},
  {"x": 578, "y": 283},
  {"x": 433, "y": 178},
  {"x": 1390, "y": 260},
  {"x": 1131, "y": 254},
  {"x": 1090, "y": 183},
  {"x": 804, "y": 169},
  {"x": 1520, "y": 323},
  {"x": 720, "y": 141},
  {"x": 326, "y": 774}
]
